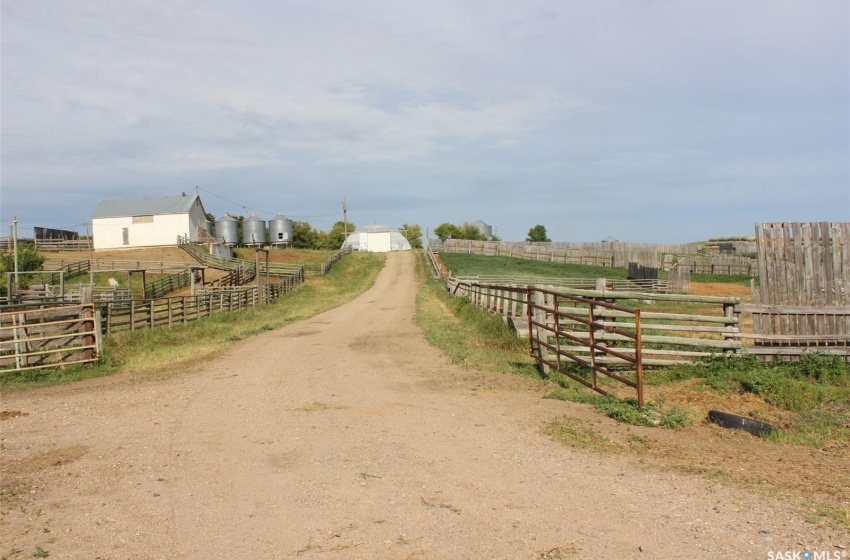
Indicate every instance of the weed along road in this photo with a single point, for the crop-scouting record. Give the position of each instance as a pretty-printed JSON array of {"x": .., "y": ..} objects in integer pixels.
[{"x": 348, "y": 436}]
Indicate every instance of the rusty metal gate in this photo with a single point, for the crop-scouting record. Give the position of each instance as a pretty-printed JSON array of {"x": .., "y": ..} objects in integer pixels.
[
  {"x": 601, "y": 336},
  {"x": 563, "y": 329}
]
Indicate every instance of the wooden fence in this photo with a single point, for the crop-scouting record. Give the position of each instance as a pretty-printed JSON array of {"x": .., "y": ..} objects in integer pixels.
[
  {"x": 48, "y": 245},
  {"x": 168, "y": 284},
  {"x": 716, "y": 324},
  {"x": 711, "y": 264},
  {"x": 151, "y": 313},
  {"x": 224, "y": 263},
  {"x": 48, "y": 337},
  {"x": 615, "y": 255},
  {"x": 597, "y": 257},
  {"x": 620, "y": 284},
  {"x": 804, "y": 282},
  {"x": 333, "y": 259}
]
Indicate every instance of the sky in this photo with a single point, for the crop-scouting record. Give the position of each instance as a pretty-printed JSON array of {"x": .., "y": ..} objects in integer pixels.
[{"x": 664, "y": 121}]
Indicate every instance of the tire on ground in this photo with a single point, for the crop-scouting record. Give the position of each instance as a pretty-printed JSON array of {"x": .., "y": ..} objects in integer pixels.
[{"x": 733, "y": 421}]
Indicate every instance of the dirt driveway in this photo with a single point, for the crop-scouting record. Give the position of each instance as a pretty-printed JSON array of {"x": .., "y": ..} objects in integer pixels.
[{"x": 348, "y": 436}]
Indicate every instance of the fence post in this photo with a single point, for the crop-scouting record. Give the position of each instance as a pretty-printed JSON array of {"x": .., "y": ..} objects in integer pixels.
[{"x": 87, "y": 314}]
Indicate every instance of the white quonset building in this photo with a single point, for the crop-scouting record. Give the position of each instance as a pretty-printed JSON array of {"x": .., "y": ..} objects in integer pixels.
[
  {"x": 148, "y": 222},
  {"x": 377, "y": 239}
]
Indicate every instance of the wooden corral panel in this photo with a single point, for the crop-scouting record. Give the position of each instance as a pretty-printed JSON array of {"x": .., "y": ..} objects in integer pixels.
[
  {"x": 807, "y": 266},
  {"x": 48, "y": 337}
]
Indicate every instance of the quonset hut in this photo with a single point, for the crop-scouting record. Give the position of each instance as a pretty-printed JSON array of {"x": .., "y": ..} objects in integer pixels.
[{"x": 377, "y": 239}]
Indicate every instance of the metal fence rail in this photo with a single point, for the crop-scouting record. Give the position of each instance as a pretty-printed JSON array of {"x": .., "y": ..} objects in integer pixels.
[{"x": 564, "y": 327}]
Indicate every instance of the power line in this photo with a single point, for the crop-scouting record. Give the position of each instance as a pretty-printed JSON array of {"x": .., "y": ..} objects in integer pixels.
[{"x": 265, "y": 211}]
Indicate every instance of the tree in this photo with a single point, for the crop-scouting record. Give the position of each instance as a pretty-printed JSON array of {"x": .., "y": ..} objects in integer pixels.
[
  {"x": 413, "y": 234},
  {"x": 537, "y": 234},
  {"x": 336, "y": 236},
  {"x": 470, "y": 231},
  {"x": 29, "y": 260},
  {"x": 304, "y": 236},
  {"x": 211, "y": 220},
  {"x": 446, "y": 230}
]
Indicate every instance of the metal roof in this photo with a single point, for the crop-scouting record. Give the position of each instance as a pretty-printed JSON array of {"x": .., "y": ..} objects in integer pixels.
[
  {"x": 145, "y": 206},
  {"x": 375, "y": 228}
]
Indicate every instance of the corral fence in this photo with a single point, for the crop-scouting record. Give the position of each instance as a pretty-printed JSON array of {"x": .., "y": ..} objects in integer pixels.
[
  {"x": 168, "y": 284},
  {"x": 804, "y": 282},
  {"x": 619, "y": 284},
  {"x": 436, "y": 269},
  {"x": 615, "y": 329},
  {"x": 711, "y": 264},
  {"x": 333, "y": 259},
  {"x": 167, "y": 311},
  {"x": 52, "y": 334},
  {"x": 48, "y": 336},
  {"x": 226, "y": 263},
  {"x": 662, "y": 256},
  {"x": 49, "y": 245}
]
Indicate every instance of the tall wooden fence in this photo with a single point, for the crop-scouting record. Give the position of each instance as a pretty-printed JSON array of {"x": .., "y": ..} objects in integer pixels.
[
  {"x": 804, "y": 282},
  {"x": 615, "y": 255}
]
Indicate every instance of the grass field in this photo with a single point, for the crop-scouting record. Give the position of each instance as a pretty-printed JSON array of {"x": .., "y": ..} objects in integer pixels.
[{"x": 463, "y": 264}]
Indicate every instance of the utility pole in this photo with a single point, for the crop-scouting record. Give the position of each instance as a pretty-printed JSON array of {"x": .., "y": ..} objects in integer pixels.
[
  {"x": 344, "y": 221},
  {"x": 15, "y": 247},
  {"x": 90, "y": 240}
]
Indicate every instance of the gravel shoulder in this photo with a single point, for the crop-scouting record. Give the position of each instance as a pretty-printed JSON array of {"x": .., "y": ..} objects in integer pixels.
[{"x": 348, "y": 436}]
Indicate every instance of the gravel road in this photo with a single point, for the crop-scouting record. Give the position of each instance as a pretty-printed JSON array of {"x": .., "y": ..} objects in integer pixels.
[{"x": 348, "y": 436}]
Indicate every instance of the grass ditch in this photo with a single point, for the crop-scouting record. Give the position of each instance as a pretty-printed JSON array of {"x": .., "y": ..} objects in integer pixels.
[
  {"x": 166, "y": 349},
  {"x": 468, "y": 336}
]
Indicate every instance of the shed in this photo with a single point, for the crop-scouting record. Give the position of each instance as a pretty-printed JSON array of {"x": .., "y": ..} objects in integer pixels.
[
  {"x": 148, "y": 222},
  {"x": 377, "y": 239}
]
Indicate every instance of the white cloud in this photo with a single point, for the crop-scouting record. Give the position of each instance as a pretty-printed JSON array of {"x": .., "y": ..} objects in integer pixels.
[{"x": 450, "y": 99}]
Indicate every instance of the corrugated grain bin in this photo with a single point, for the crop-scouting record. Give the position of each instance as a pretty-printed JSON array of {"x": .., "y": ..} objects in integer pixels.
[
  {"x": 485, "y": 229},
  {"x": 280, "y": 230},
  {"x": 227, "y": 231},
  {"x": 254, "y": 231}
]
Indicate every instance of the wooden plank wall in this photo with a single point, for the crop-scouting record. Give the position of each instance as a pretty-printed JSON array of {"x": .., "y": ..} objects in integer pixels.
[
  {"x": 803, "y": 265},
  {"x": 612, "y": 254}
]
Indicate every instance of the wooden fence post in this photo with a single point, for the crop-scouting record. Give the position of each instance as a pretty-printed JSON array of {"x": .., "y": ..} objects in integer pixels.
[{"x": 87, "y": 314}]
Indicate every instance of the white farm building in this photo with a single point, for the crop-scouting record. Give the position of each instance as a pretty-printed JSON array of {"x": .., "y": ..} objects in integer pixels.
[
  {"x": 377, "y": 239},
  {"x": 148, "y": 222}
]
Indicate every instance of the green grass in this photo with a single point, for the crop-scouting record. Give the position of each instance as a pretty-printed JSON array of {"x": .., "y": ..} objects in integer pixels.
[
  {"x": 167, "y": 349},
  {"x": 570, "y": 432},
  {"x": 308, "y": 257},
  {"x": 463, "y": 264},
  {"x": 742, "y": 279},
  {"x": 470, "y": 336},
  {"x": 627, "y": 411},
  {"x": 816, "y": 389},
  {"x": 466, "y": 264}
]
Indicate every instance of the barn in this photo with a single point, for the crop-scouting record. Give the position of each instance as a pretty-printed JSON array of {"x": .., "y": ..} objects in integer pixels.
[
  {"x": 377, "y": 239},
  {"x": 148, "y": 222}
]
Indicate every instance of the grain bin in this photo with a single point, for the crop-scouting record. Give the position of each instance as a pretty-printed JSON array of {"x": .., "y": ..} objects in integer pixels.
[
  {"x": 227, "y": 231},
  {"x": 280, "y": 231},
  {"x": 485, "y": 229},
  {"x": 254, "y": 231}
]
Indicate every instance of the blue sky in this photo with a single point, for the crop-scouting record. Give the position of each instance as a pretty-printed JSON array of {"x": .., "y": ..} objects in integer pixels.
[{"x": 652, "y": 121}]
